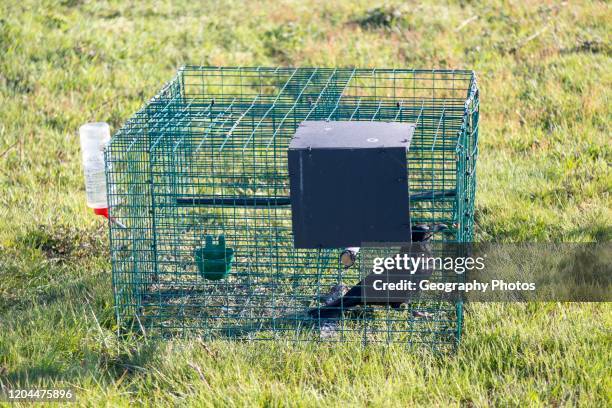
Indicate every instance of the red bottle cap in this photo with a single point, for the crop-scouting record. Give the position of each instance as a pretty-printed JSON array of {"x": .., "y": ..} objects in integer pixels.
[{"x": 101, "y": 211}]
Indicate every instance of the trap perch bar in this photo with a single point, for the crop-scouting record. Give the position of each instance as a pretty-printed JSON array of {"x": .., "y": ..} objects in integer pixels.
[{"x": 283, "y": 201}]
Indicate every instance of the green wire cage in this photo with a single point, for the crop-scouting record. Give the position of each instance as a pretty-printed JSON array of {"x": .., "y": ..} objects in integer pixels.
[{"x": 199, "y": 181}]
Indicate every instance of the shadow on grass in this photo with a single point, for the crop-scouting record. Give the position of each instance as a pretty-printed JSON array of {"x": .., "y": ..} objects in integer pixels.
[{"x": 107, "y": 364}]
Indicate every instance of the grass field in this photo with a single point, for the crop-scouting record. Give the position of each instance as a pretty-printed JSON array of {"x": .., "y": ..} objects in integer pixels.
[{"x": 543, "y": 175}]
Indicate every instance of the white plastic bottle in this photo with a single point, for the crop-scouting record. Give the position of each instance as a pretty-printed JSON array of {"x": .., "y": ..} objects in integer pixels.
[{"x": 94, "y": 137}]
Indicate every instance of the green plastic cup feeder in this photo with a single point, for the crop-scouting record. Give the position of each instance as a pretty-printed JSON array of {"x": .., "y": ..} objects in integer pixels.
[{"x": 214, "y": 261}]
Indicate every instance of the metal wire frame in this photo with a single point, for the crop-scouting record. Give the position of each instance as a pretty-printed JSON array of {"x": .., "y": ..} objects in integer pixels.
[{"x": 208, "y": 156}]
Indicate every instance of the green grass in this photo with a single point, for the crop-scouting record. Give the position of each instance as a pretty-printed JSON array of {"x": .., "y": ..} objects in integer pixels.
[{"x": 543, "y": 175}]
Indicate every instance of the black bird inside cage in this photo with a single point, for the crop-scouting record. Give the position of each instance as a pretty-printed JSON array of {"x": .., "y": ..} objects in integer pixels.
[{"x": 418, "y": 246}]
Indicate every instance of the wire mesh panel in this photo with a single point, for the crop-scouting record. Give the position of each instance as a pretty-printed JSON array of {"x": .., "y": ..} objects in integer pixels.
[{"x": 202, "y": 169}]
